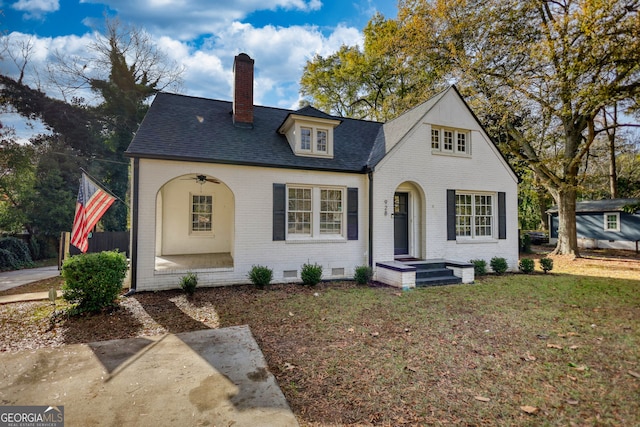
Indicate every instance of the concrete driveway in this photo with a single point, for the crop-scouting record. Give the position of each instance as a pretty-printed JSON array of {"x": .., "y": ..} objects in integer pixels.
[
  {"x": 11, "y": 279},
  {"x": 215, "y": 377}
]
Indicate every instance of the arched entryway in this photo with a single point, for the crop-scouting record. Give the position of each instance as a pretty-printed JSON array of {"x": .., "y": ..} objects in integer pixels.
[
  {"x": 408, "y": 221},
  {"x": 194, "y": 224}
]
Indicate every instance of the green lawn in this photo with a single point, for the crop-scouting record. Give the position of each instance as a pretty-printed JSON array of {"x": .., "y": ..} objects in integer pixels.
[{"x": 563, "y": 347}]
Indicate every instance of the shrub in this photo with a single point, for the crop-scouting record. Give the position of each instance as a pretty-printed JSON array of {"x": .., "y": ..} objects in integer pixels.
[
  {"x": 189, "y": 282},
  {"x": 526, "y": 265},
  {"x": 8, "y": 261},
  {"x": 498, "y": 265},
  {"x": 479, "y": 267},
  {"x": 260, "y": 275},
  {"x": 19, "y": 250},
  {"x": 34, "y": 248},
  {"x": 311, "y": 274},
  {"x": 546, "y": 264},
  {"x": 525, "y": 243},
  {"x": 363, "y": 274},
  {"x": 93, "y": 281}
]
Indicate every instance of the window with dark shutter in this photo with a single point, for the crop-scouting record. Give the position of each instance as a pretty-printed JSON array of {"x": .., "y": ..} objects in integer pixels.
[
  {"x": 279, "y": 211},
  {"x": 451, "y": 214},
  {"x": 352, "y": 214},
  {"x": 502, "y": 216}
]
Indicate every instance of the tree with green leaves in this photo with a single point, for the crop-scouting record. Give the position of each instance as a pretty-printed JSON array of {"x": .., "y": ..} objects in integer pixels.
[
  {"x": 124, "y": 71},
  {"x": 537, "y": 73},
  {"x": 544, "y": 70},
  {"x": 16, "y": 181},
  {"x": 371, "y": 82}
]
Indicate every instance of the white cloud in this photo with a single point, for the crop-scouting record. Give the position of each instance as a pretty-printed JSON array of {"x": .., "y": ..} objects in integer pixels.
[
  {"x": 36, "y": 9},
  {"x": 189, "y": 19},
  {"x": 203, "y": 37}
]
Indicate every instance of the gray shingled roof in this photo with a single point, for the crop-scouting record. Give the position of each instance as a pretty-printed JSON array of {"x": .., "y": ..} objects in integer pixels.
[
  {"x": 179, "y": 127},
  {"x": 606, "y": 205}
]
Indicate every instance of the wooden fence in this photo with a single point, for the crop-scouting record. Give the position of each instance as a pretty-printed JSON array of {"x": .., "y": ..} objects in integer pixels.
[{"x": 98, "y": 242}]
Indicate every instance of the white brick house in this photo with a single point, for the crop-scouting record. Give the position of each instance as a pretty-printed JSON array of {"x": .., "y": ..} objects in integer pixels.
[{"x": 221, "y": 186}]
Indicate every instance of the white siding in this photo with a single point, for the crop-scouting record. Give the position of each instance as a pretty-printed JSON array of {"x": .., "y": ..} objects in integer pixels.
[
  {"x": 251, "y": 190},
  {"x": 412, "y": 161}
]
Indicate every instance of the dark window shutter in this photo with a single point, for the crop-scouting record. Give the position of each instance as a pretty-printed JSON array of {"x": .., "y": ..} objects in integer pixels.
[
  {"x": 451, "y": 214},
  {"x": 352, "y": 213},
  {"x": 279, "y": 211},
  {"x": 502, "y": 216}
]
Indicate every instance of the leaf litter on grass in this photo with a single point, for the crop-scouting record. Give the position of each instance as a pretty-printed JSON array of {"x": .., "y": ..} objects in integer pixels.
[{"x": 435, "y": 349}]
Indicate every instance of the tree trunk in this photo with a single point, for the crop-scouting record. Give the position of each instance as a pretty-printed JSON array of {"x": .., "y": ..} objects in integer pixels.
[
  {"x": 611, "y": 134},
  {"x": 567, "y": 233}
]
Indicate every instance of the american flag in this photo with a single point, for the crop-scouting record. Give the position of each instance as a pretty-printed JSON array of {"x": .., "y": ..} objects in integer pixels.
[{"x": 92, "y": 203}]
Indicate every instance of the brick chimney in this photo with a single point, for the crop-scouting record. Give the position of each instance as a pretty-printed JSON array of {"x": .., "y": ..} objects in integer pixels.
[{"x": 243, "y": 90}]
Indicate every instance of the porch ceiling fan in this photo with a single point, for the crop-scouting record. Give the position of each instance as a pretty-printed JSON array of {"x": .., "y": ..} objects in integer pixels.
[{"x": 202, "y": 179}]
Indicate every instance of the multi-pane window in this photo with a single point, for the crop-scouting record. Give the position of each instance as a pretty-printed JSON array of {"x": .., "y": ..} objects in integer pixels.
[
  {"x": 315, "y": 211},
  {"x": 305, "y": 139},
  {"x": 612, "y": 221},
  {"x": 331, "y": 211},
  {"x": 464, "y": 214},
  {"x": 299, "y": 211},
  {"x": 474, "y": 215},
  {"x": 462, "y": 142},
  {"x": 483, "y": 215},
  {"x": 450, "y": 141},
  {"x": 321, "y": 141},
  {"x": 435, "y": 139},
  {"x": 201, "y": 213},
  {"x": 447, "y": 140}
]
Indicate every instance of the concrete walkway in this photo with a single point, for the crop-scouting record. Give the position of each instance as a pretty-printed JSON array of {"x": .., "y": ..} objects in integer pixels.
[
  {"x": 11, "y": 279},
  {"x": 214, "y": 377}
]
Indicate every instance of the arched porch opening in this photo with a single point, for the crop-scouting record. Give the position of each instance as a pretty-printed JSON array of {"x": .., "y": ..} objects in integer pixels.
[{"x": 194, "y": 224}]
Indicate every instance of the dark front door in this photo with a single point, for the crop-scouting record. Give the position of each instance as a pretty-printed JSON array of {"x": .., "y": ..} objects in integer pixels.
[{"x": 401, "y": 223}]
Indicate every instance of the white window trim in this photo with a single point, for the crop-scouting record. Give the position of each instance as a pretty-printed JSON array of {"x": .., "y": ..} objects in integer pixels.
[
  {"x": 606, "y": 223},
  {"x": 315, "y": 128},
  {"x": 193, "y": 232},
  {"x": 315, "y": 235},
  {"x": 454, "y": 143},
  {"x": 494, "y": 218}
]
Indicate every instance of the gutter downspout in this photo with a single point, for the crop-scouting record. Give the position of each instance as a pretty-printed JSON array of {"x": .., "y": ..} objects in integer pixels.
[
  {"x": 134, "y": 228},
  {"x": 370, "y": 174}
]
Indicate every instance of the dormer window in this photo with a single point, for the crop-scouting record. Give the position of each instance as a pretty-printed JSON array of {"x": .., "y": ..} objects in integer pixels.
[
  {"x": 305, "y": 139},
  {"x": 321, "y": 140},
  {"x": 309, "y": 135}
]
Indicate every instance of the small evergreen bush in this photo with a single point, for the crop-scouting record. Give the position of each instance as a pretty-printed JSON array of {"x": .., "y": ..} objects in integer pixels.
[
  {"x": 260, "y": 276},
  {"x": 546, "y": 264},
  {"x": 20, "y": 251},
  {"x": 363, "y": 274},
  {"x": 8, "y": 261},
  {"x": 189, "y": 282},
  {"x": 525, "y": 243},
  {"x": 311, "y": 274},
  {"x": 498, "y": 265},
  {"x": 93, "y": 281},
  {"x": 526, "y": 265},
  {"x": 479, "y": 267}
]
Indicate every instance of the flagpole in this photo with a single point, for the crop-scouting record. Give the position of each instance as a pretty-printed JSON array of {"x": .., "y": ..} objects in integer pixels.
[{"x": 99, "y": 182}]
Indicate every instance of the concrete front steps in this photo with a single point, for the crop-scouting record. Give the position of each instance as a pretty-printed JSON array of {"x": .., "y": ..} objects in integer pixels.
[
  {"x": 410, "y": 273},
  {"x": 434, "y": 273}
]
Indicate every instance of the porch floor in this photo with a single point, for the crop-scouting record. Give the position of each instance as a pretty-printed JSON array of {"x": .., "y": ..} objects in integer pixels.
[{"x": 193, "y": 261}]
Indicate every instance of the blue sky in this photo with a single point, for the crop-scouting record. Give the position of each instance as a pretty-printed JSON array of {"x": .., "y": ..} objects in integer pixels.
[{"x": 203, "y": 36}]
